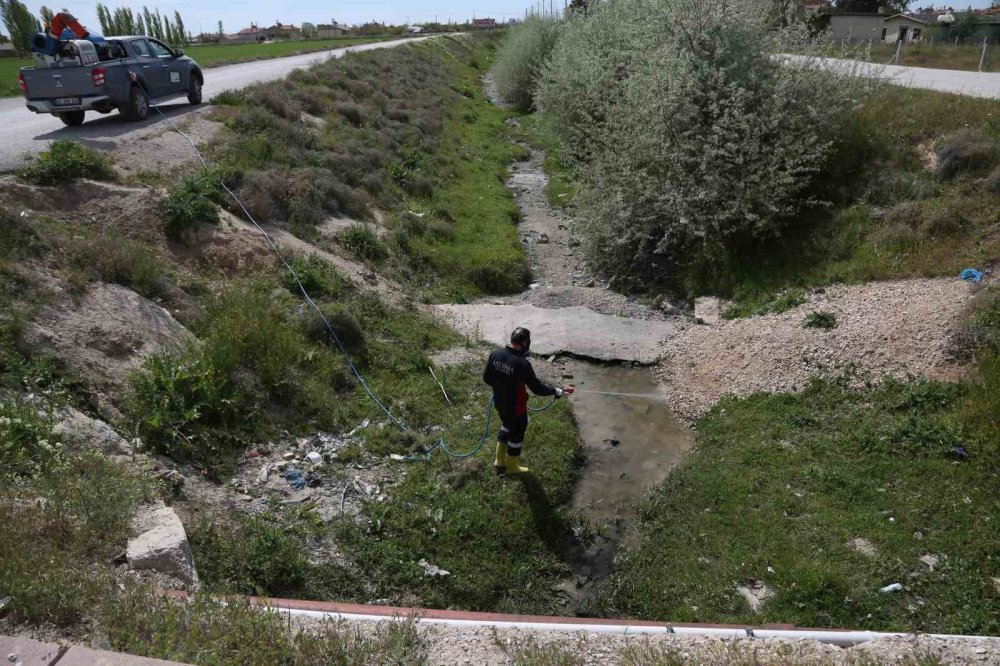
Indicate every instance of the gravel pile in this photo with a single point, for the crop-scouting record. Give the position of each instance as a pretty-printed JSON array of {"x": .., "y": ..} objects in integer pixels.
[{"x": 882, "y": 329}]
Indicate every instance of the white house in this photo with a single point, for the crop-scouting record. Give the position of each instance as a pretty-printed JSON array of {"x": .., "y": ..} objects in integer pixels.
[{"x": 857, "y": 27}]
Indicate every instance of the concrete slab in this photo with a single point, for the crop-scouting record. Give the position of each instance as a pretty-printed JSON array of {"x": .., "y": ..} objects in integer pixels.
[
  {"x": 27, "y": 652},
  {"x": 576, "y": 330},
  {"x": 81, "y": 656}
]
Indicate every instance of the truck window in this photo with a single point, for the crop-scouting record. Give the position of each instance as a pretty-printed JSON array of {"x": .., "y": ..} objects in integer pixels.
[
  {"x": 159, "y": 50},
  {"x": 141, "y": 48},
  {"x": 111, "y": 51}
]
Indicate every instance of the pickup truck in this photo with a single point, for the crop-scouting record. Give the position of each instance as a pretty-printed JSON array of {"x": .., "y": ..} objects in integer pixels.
[{"x": 123, "y": 73}]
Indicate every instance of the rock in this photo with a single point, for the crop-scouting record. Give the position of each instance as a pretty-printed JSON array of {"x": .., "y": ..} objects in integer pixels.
[
  {"x": 658, "y": 301},
  {"x": 543, "y": 239},
  {"x": 590, "y": 283},
  {"x": 161, "y": 544},
  {"x": 756, "y": 593},
  {"x": 79, "y": 431},
  {"x": 709, "y": 309},
  {"x": 930, "y": 560}
]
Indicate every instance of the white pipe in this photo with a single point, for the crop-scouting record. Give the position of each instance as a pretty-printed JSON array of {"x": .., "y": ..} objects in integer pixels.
[{"x": 838, "y": 638}]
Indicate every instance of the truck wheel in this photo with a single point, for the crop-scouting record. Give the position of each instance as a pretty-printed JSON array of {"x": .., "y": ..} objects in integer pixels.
[
  {"x": 72, "y": 118},
  {"x": 138, "y": 104},
  {"x": 194, "y": 90}
]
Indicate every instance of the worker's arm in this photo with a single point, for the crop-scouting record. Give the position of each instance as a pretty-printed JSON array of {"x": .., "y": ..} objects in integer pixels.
[{"x": 535, "y": 384}]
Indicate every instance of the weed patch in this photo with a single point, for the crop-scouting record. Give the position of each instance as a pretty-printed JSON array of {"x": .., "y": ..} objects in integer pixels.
[
  {"x": 66, "y": 161},
  {"x": 823, "y": 320},
  {"x": 190, "y": 202}
]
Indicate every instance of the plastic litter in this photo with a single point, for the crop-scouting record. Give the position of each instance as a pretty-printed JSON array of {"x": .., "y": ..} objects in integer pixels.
[
  {"x": 314, "y": 457},
  {"x": 895, "y": 587},
  {"x": 364, "y": 424},
  {"x": 294, "y": 478},
  {"x": 971, "y": 275},
  {"x": 960, "y": 453},
  {"x": 431, "y": 569}
]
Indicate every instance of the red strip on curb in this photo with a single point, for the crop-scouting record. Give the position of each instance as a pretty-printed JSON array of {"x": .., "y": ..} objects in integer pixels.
[{"x": 434, "y": 614}]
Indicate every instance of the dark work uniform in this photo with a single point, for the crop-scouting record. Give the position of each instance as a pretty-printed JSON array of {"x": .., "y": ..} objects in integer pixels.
[{"x": 510, "y": 374}]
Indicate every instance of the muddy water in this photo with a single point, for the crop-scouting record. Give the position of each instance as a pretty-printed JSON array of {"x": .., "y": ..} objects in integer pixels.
[{"x": 630, "y": 441}]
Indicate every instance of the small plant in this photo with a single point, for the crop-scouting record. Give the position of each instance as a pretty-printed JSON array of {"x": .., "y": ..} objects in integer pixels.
[
  {"x": 228, "y": 98},
  {"x": 111, "y": 257},
  {"x": 192, "y": 201},
  {"x": 362, "y": 241},
  {"x": 317, "y": 276},
  {"x": 824, "y": 320},
  {"x": 968, "y": 150},
  {"x": 66, "y": 161}
]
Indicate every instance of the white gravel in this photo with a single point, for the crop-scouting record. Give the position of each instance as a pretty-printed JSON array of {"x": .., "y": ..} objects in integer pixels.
[{"x": 883, "y": 329}]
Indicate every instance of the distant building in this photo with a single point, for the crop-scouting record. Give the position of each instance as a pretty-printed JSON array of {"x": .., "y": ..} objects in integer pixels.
[
  {"x": 484, "y": 24},
  {"x": 861, "y": 27},
  {"x": 7, "y": 49},
  {"x": 328, "y": 30},
  {"x": 281, "y": 31},
  {"x": 251, "y": 34},
  {"x": 414, "y": 29}
]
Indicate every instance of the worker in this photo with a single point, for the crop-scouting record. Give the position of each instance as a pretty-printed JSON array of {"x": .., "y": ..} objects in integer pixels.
[{"x": 510, "y": 374}]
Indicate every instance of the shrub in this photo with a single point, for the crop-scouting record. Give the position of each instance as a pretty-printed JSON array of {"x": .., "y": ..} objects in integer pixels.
[
  {"x": 343, "y": 323},
  {"x": 351, "y": 112},
  {"x": 967, "y": 150},
  {"x": 228, "y": 98},
  {"x": 824, "y": 320},
  {"x": 520, "y": 60},
  {"x": 317, "y": 276},
  {"x": 190, "y": 202},
  {"x": 942, "y": 221},
  {"x": 64, "y": 162},
  {"x": 992, "y": 181},
  {"x": 362, "y": 241},
  {"x": 111, "y": 257},
  {"x": 695, "y": 142}
]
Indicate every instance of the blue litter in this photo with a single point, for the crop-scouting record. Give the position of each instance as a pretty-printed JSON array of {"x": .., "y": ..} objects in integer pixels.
[
  {"x": 971, "y": 275},
  {"x": 295, "y": 479},
  {"x": 960, "y": 453}
]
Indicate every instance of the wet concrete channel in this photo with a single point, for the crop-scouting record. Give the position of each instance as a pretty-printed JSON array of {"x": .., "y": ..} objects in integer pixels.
[{"x": 630, "y": 440}]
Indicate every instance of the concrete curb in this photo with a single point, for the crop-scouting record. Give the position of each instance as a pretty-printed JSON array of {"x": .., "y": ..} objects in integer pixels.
[{"x": 28, "y": 652}]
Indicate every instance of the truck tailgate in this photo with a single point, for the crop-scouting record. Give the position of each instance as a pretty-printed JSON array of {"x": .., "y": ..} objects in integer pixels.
[{"x": 59, "y": 82}]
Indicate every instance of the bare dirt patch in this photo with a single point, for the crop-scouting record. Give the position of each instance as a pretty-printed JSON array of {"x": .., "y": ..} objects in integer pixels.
[
  {"x": 893, "y": 329},
  {"x": 159, "y": 149},
  {"x": 103, "y": 337}
]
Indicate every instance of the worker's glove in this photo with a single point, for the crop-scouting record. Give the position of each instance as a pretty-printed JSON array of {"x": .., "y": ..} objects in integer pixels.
[{"x": 559, "y": 392}]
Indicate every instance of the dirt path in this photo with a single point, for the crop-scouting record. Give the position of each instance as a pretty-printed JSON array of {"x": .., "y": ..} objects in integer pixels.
[{"x": 570, "y": 311}]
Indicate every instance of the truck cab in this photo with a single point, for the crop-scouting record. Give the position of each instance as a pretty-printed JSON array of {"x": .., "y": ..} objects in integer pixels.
[{"x": 125, "y": 73}]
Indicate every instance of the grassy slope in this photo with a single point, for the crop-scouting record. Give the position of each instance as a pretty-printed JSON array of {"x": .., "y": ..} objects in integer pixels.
[
  {"x": 779, "y": 486},
  {"x": 484, "y": 255},
  {"x": 209, "y": 55},
  {"x": 848, "y": 244}
]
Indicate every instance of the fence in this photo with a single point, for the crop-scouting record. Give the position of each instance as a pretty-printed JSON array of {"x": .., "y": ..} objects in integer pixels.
[{"x": 981, "y": 57}]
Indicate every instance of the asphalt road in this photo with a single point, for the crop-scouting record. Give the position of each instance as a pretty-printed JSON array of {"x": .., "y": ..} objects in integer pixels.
[
  {"x": 973, "y": 84},
  {"x": 27, "y": 133}
]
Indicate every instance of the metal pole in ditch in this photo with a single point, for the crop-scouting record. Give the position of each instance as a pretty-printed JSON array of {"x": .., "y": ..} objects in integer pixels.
[
  {"x": 982, "y": 58},
  {"x": 899, "y": 47},
  {"x": 868, "y": 58}
]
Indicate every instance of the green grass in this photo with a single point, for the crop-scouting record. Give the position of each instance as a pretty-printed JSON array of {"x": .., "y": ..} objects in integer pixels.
[
  {"x": 210, "y": 55},
  {"x": 780, "y": 485},
  {"x": 213, "y": 55}
]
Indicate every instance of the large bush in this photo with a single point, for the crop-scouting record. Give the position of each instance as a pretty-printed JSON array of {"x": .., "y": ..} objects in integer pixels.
[
  {"x": 520, "y": 60},
  {"x": 694, "y": 141}
]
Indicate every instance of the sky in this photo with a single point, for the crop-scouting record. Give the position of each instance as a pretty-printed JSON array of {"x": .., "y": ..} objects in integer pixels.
[{"x": 203, "y": 15}]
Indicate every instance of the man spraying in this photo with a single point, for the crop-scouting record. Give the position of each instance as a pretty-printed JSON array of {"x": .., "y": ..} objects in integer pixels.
[{"x": 510, "y": 374}]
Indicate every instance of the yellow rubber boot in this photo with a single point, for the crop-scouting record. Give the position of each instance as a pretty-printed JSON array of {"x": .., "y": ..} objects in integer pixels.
[
  {"x": 500, "y": 463},
  {"x": 512, "y": 466}
]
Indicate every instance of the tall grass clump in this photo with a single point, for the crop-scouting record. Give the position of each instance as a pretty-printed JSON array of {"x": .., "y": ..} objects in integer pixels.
[
  {"x": 694, "y": 142},
  {"x": 520, "y": 60}
]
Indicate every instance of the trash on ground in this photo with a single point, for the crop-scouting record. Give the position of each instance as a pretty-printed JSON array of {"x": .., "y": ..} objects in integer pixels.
[
  {"x": 613, "y": 442},
  {"x": 895, "y": 587},
  {"x": 396, "y": 456},
  {"x": 294, "y": 478},
  {"x": 960, "y": 453},
  {"x": 365, "y": 488},
  {"x": 314, "y": 457},
  {"x": 971, "y": 275},
  {"x": 364, "y": 424},
  {"x": 431, "y": 569}
]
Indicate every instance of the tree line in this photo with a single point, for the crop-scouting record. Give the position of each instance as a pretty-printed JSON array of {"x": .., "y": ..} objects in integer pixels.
[{"x": 20, "y": 23}]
